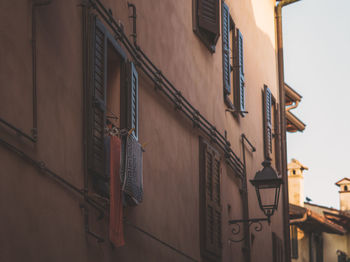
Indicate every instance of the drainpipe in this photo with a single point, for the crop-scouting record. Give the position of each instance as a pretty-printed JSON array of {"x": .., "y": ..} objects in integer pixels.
[
  {"x": 278, "y": 14},
  {"x": 35, "y": 5}
]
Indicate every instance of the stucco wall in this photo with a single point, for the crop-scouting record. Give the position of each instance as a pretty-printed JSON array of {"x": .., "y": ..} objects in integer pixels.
[{"x": 42, "y": 219}]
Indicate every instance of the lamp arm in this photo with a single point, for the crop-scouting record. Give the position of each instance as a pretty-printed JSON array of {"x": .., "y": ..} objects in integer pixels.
[{"x": 236, "y": 229}]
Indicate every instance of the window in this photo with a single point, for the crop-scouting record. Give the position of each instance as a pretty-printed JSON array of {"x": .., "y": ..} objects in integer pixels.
[
  {"x": 345, "y": 188},
  {"x": 293, "y": 171},
  {"x": 267, "y": 118},
  {"x": 210, "y": 202},
  {"x": 232, "y": 63},
  {"x": 206, "y": 22},
  {"x": 112, "y": 97},
  {"x": 271, "y": 128}
]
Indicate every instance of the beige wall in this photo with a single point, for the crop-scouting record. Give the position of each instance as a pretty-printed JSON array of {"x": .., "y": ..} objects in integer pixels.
[{"x": 43, "y": 219}]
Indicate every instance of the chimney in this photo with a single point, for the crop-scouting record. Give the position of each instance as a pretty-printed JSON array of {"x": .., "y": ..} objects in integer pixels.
[
  {"x": 344, "y": 194},
  {"x": 296, "y": 182}
]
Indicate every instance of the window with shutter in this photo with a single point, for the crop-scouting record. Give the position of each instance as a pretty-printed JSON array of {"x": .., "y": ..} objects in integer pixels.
[
  {"x": 267, "y": 101},
  {"x": 206, "y": 22},
  {"x": 103, "y": 100},
  {"x": 240, "y": 84},
  {"x": 226, "y": 52},
  {"x": 233, "y": 70},
  {"x": 319, "y": 247},
  {"x": 277, "y": 248},
  {"x": 210, "y": 202},
  {"x": 294, "y": 241},
  {"x": 97, "y": 100}
]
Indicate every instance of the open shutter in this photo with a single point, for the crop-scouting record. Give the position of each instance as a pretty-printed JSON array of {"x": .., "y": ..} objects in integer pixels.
[
  {"x": 97, "y": 99},
  {"x": 210, "y": 202},
  {"x": 267, "y": 122},
  {"x": 226, "y": 67},
  {"x": 208, "y": 15},
  {"x": 240, "y": 85},
  {"x": 132, "y": 97}
]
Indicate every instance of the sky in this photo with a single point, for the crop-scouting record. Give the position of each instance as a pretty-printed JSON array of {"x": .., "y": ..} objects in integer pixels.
[{"x": 316, "y": 38}]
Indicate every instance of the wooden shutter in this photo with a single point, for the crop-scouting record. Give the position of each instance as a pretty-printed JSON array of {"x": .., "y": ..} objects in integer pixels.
[
  {"x": 239, "y": 75},
  {"x": 277, "y": 248},
  {"x": 226, "y": 66},
  {"x": 97, "y": 99},
  {"x": 319, "y": 247},
  {"x": 294, "y": 241},
  {"x": 132, "y": 98},
  {"x": 208, "y": 15},
  {"x": 267, "y": 121},
  {"x": 210, "y": 218}
]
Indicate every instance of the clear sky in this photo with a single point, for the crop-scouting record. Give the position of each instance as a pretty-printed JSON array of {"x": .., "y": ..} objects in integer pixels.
[{"x": 317, "y": 65}]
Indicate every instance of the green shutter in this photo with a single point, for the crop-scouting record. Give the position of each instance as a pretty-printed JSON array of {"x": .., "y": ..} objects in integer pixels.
[
  {"x": 226, "y": 67},
  {"x": 133, "y": 90},
  {"x": 267, "y": 104},
  {"x": 241, "y": 83},
  {"x": 97, "y": 99}
]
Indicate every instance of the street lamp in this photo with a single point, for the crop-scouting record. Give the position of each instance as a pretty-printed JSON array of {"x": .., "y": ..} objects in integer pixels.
[{"x": 267, "y": 186}]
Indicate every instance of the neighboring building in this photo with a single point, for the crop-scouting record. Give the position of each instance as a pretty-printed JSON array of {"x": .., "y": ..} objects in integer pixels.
[
  {"x": 294, "y": 124},
  {"x": 193, "y": 84},
  {"x": 318, "y": 233}
]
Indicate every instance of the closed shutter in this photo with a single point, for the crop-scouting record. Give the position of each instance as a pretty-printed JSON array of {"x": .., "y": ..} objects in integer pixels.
[
  {"x": 294, "y": 241},
  {"x": 210, "y": 219},
  {"x": 319, "y": 247},
  {"x": 277, "y": 248},
  {"x": 97, "y": 99},
  {"x": 277, "y": 138},
  {"x": 240, "y": 84},
  {"x": 267, "y": 122},
  {"x": 132, "y": 99},
  {"x": 226, "y": 67},
  {"x": 208, "y": 15}
]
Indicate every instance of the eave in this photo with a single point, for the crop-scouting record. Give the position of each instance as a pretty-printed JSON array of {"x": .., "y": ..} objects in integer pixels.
[
  {"x": 293, "y": 123},
  {"x": 310, "y": 221},
  {"x": 292, "y": 96}
]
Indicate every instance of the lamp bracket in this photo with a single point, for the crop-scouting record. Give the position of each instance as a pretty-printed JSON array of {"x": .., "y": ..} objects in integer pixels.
[{"x": 236, "y": 228}]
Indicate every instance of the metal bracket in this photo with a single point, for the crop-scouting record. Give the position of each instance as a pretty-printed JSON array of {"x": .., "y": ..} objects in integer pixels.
[{"x": 237, "y": 228}]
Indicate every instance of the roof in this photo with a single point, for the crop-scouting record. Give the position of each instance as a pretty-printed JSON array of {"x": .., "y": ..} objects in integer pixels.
[
  {"x": 296, "y": 164},
  {"x": 312, "y": 222},
  {"x": 342, "y": 218},
  {"x": 291, "y": 95},
  {"x": 342, "y": 181},
  {"x": 294, "y": 124}
]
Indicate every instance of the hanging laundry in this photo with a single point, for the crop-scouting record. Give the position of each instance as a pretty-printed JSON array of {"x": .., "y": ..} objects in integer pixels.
[
  {"x": 116, "y": 231},
  {"x": 132, "y": 172}
]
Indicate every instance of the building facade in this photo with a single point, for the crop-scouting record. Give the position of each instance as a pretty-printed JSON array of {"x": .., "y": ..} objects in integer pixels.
[
  {"x": 192, "y": 84},
  {"x": 318, "y": 233}
]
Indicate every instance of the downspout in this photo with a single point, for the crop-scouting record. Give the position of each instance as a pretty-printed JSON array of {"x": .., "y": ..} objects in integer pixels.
[
  {"x": 278, "y": 14},
  {"x": 35, "y": 5},
  {"x": 300, "y": 220}
]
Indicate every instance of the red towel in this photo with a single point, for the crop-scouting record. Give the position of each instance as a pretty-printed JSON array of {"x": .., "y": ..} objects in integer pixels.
[{"x": 116, "y": 232}]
